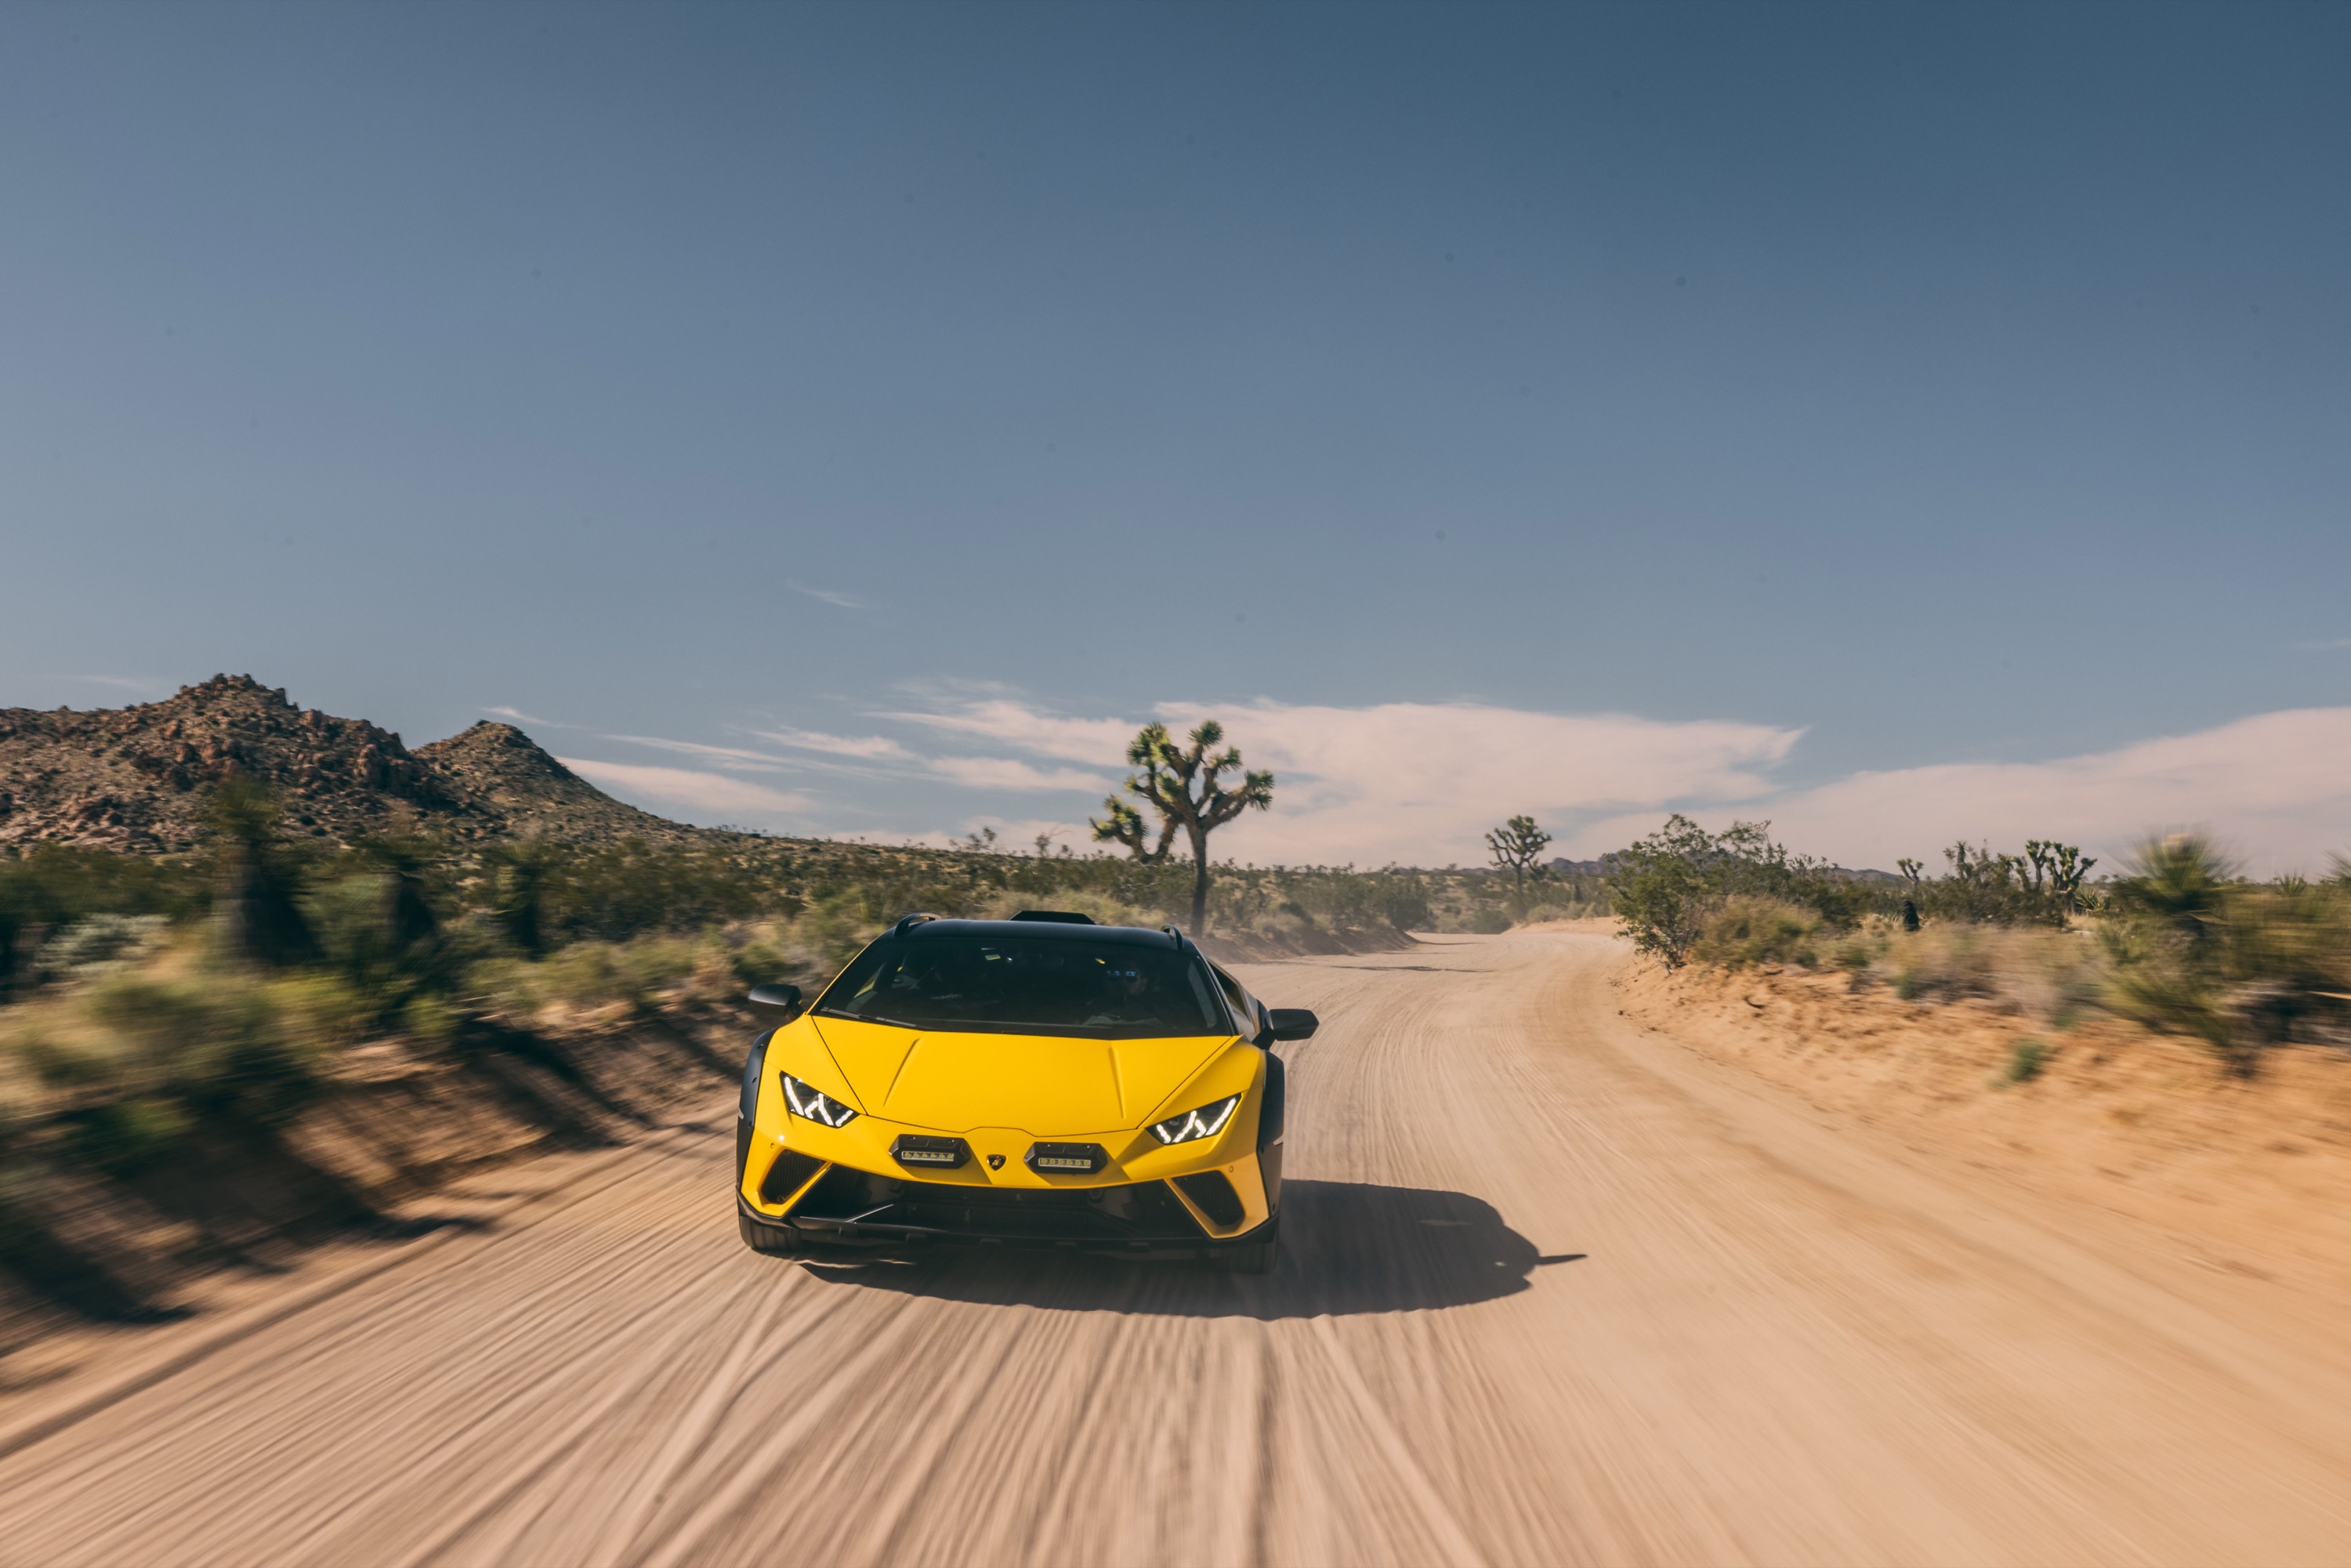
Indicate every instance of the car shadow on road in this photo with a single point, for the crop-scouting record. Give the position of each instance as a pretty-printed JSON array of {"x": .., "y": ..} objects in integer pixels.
[{"x": 1346, "y": 1248}]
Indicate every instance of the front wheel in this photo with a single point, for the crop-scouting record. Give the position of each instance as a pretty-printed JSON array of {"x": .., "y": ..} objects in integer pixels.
[{"x": 770, "y": 1240}]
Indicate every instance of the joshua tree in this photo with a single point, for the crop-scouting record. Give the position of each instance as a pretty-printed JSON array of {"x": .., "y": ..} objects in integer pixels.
[
  {"x": 2182, "y": 882},
  {"x": 1169, "y": 774},
  {"x": 1514, "y": 845},
  {"x": 1124, "y": 825},
  {"x": 2056, "y": 872}
]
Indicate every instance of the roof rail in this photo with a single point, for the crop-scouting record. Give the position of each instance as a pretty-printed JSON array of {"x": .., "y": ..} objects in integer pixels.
[
  {"x": 1173, "y": 935},
  {"x": 909, "y": 922}
]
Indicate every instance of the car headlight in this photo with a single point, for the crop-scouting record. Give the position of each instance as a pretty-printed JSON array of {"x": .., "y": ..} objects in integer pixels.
[
  {"x": 814, "y": 1104},
  {"x": 1193, "y": 1125}
]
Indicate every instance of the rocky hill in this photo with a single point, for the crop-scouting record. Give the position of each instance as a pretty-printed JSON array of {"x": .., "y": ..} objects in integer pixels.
[{"x": 141, "y": 777}]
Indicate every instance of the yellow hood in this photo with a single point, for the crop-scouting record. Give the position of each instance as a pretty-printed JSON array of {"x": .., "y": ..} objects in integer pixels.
[{"x": 1045, "y": 1085}]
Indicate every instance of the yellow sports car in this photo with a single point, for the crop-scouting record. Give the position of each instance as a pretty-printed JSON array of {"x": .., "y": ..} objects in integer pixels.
[{"x": 1038, "y": 1080}]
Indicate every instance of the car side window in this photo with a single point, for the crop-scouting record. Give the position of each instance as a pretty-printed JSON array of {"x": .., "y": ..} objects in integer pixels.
[{"x": 1245, "y": 1007}]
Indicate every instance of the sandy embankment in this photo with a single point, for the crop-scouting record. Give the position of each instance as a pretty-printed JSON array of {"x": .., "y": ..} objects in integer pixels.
[{"x": 2252, "y": 1176}]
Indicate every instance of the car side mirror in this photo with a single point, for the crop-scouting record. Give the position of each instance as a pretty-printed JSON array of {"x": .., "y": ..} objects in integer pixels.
[
  {"x": 775, "y": 1004},
  {"x": 1292, "y": 1023}
]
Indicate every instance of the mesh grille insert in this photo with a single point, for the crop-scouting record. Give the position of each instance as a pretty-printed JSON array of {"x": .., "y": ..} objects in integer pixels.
[{"x": 785, "y": 1177}]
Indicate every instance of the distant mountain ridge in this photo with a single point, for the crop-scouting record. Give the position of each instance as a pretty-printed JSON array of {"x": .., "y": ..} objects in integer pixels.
[{"x": 141, "y": 777}]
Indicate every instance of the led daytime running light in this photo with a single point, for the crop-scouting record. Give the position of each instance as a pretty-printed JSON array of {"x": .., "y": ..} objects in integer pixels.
[
  {"x": 1193, "y": 1125},
  {"x": 814, "y": 1104}
]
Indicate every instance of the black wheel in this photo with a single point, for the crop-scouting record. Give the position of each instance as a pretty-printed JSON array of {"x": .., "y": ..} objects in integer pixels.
[
  {"x": 1257, "y": 1258},
  {"x": 773, "y": 1241}
]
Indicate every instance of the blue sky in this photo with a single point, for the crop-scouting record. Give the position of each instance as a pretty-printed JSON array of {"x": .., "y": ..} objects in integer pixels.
[{"x": 1590, "y": 410}]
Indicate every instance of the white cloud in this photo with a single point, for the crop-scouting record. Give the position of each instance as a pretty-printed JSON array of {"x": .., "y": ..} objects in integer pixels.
[
  {"x": 728, "y": 757},
  {"x": 1100, "y": 742},
  {"x": 711, "y": 794},
  {"x": 1421, "y": 782},
  {"x": 873, "y": 748},
  {"x": 2274, "y": 790},
  {"x": 839, "y": 601},
  {"x": 1003, "y": 773},
  {"x": 517, "y": 715}
]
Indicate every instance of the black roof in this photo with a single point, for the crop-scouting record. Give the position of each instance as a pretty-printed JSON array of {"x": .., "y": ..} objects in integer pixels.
[{"x": 1033, "y": 931}]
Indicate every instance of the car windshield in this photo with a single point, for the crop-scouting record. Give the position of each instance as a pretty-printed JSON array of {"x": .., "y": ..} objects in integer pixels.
[{"x": 1007, "y": 985}]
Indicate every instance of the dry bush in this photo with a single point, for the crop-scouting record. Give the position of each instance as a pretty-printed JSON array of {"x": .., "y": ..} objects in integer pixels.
[
  {"x": 2045, "y": 974},
  {"x": 1748, "y": 930},
  {"x": 132, "y": 1065}
]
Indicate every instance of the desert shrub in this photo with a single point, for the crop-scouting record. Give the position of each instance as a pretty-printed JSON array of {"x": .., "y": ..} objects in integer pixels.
[
  {"x": 2032, "y": 970},
  {"x": 56, "y": 888},
  {"x": 1746, "y": 930},
  {"x": 547, "y": 895},
  {"x": 2238, "y": 967},
  {"x": 759, "y": 961},
  {"x": 836, "y": 928},
  {"x": 431, "y": 1021},
  {"x": 2025, "y": 1059},
  {"x": 351, "y": 919},
  {"x": 1348, "y": 900},
  {"x": 55, "y": 884},
  {"x": 1664, "y": 888},
  {"x": 99, "y": 943},
  {"x": 588, "y": 976},
  {"x": 1667, "y": 887},
  {"x": 1858, "y": 951},
  {"x": 139, "y": 1063}
]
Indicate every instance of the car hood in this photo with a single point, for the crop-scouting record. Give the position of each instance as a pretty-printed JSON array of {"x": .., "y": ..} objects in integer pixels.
[{"x": 1042, "y": 1084}]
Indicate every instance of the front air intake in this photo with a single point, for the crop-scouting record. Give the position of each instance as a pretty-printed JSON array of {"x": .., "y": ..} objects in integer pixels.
[
  {"x": 1067, "y": 1159},
  {"x": 919, "y": 1153},
  {"x": 788, "y": 1174},
  {"x": 1213, "y": 1195}
]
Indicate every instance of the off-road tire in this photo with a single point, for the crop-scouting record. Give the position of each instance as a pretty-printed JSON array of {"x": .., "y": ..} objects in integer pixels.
[{"x": 772, "y": 1240}]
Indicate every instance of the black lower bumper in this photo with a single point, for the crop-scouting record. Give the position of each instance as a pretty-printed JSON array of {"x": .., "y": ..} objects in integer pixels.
[{"x": 855, "y": 1206}]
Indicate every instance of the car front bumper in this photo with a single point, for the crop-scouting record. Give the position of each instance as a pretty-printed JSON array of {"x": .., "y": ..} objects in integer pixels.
[{"x": 1234, "y": 1204}]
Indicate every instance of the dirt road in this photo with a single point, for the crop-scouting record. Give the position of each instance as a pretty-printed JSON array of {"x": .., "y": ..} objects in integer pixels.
[{"x": 1555, "y": 1291}]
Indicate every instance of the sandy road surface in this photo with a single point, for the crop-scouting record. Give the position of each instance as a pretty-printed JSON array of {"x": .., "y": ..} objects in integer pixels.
[{"x": 1556, "y": 1290}]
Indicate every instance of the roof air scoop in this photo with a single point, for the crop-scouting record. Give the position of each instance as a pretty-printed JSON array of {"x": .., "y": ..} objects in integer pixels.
[{"x": 1057, "y": 916}]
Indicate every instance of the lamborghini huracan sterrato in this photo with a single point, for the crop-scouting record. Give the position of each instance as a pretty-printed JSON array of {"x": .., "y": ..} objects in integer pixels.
[{"x": 1038, "y": 1080}]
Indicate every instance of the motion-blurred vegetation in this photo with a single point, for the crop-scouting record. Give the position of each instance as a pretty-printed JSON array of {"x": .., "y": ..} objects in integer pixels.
[
  {"x": 160, "y": 1002},
  {"x": 2181, "y": 943}
]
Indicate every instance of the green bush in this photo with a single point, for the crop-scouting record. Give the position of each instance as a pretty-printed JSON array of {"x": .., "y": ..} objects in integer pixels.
[
  {"x": 141, "y": 1064},
  {"x": 2025, "y": 1059},
  {"x": 2238, "y": 967},
  {"x": 1668, "y": 887}
]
